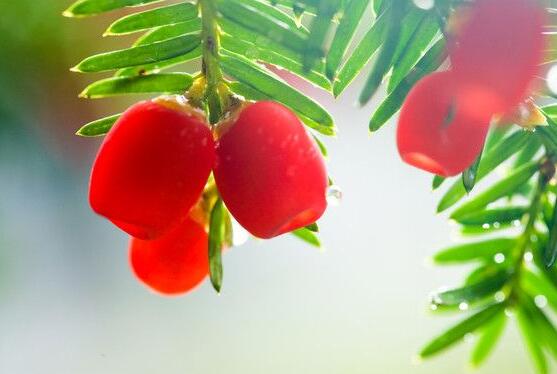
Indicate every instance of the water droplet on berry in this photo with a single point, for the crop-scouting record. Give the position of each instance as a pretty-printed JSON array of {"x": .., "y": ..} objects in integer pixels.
[
  {"x": 463, "y": 306},
  {"x": 334, "y": 195},
  {"x": 528, "y": 256}
]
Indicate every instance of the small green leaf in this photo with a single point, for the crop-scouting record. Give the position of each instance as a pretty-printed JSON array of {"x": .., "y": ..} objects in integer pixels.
[
  {"x": 432, "y": 59},
  {"x": 503, "y": 215},
  {"x": 483, "y": 250},
  {"x": 528, "y": 152},
  {"x": 135, "y": 56},
  {"x": 168, "y": 32},
  {"x": 472, "y": 292},
  {"x": 321, "y": 145},
  {"x": 307, "y": 236},
  {"x": 217, "y": 240},
  {"x": 544, "y": 326},
  {"x": 250, "y": 93},
  {"x": 319, "y": 30},
  {"x": 503, "y": 188},
  {"x": 361, "y": 55},
  {"x": 413, "y": 51},
  {"x": 313, "y": 227},
  {"x": 167, "y": 15},
  {"x": 252, "y": 51},
  {"x": 531, "y": 339},
  {"x": 494, "y": 157},
  {"x": 550, "y": 251},
  {"x": 351, "y": 17},
  {"x": 262, "y": 42},
  {"x": 469, "y": 175},
  {"x": 160, "y": 65},
  {"x": 536, "y": 283},
  {"x": 388, "y": 49},
  {"x": 153, "y": 83},
  {"x": 437, "y": 182},
  {"x": 82, "y": 8},
  {"x": 98, "y": 127},
  {"x": 457, "y": 332},
  {"x": 263, "y": 23},
  {"x": 489, "y": 336},
  {"x": 254, "y": 76}
]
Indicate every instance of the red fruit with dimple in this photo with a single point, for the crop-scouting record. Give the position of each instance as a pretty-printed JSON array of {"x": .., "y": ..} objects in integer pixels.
[
  {"x": 434, "y": 132},
  {"x": 152, "y": 167},
  {"x": 269, "y": 170},
  {"x": 176, "y": 262},
  {"x": 496, "y": 54}
]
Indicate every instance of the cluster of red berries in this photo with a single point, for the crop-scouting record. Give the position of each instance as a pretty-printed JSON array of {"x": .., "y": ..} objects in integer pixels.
[
  {"x": 154, "y": 164},
  {"x": 445, "y": 117}
]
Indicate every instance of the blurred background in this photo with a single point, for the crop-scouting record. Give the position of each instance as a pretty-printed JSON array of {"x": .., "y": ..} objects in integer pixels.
[{"x": 69, "y": 303}]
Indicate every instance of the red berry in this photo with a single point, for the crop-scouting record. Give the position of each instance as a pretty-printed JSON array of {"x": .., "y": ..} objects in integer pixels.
[
  {"x": 434, "y": 133},
  {"x": 269, "y": 171},
  {"x": 496, "y": 54},
  {"x": 174, "y": 263},
  {"x": 152, "y": 167}
]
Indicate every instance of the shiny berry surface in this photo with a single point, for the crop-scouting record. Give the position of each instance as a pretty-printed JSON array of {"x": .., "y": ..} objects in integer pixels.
[
  {"x": 495, "y": 56},
  {"x": 434, "y": 133},
  {"x": 175, "y": 263},
  {"x": 152, "y": 167},
  {"x": 269, "y": 171}
]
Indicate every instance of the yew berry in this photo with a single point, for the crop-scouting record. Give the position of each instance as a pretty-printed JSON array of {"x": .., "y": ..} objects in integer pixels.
[
  {"x": 434, "y": 133},
  {"x": 174, "y": 263},
  {"x": 496, "y": 54},
  {"x": 152, "y": 167},
  {"x": 269, "y": 170}
]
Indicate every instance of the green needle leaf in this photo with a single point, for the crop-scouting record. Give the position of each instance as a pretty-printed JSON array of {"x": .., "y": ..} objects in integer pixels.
[
  {"x": 250, "y": 50},
  {"x": 503, "y": 215},
  {"x": 469, "y": 175},
  {"x": 550, "y": 251},
  {"x": 252, "y": 75},
  {"x": 385, "y": 57},
  {"x": 82, "y": 8},
  {"x": 433, "y": 58},
  {"x": 263, "y": 23},
  {"x": 217, "y": 240},
  {"x": 489, "y": 336},
  {"x": 135, "y": 56},
  {"x": 457, "y": 332},
  {"x": 483, "y": 250},
  {"x": 98, "y": 127},
  {"x": 494, "y": 157},
  {"x": 307, "y": 236},
  {"x": 361, "y": 55},
  {"x": 168, "y": 32},
  {"x": 349, "y": 21},
  {"x": 536, "y": 283},
  {"x": 472, "y": 292},
  {"x": 153, "y": 83},
  {"x": 531, "y": 339},
  {"x": 149, "y": 19},
  {"x": 414, "y": 49},
  {"x": 503, "y": 188},
  {"x": 437, "y": 182}
]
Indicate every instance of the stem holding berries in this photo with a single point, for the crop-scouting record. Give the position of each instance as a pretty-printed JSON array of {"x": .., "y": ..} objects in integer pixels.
[{"x": 210, "y": 59}]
